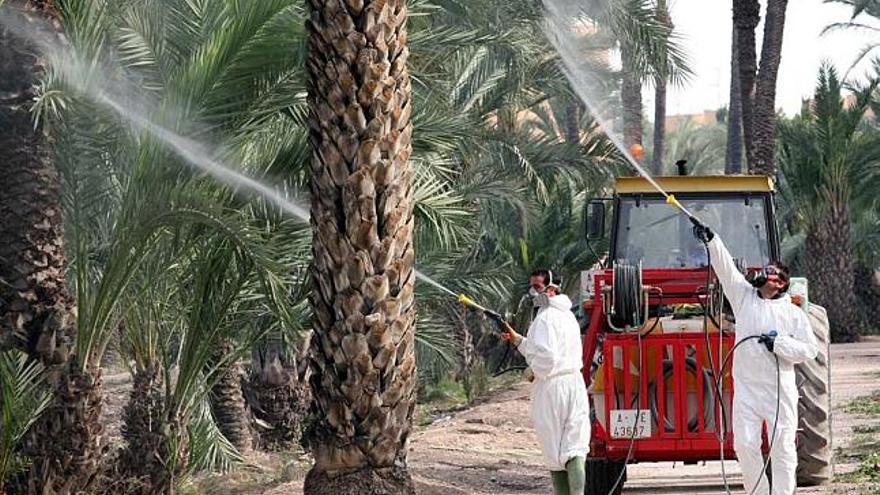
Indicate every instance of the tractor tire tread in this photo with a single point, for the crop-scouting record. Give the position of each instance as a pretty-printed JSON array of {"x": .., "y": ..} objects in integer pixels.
[{"x": 814, "y": 407}]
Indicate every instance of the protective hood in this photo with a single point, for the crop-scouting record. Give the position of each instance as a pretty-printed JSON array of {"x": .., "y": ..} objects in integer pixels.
[
  {"x": 560, "y": 301},
  {"x": 784, "y": 298}
]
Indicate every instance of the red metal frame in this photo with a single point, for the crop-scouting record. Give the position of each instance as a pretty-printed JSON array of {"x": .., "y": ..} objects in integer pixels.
[{"x": 680, "y": 442}]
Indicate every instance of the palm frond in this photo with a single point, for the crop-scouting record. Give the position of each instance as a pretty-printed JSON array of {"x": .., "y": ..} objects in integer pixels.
[{"x": 25, "y": 395}]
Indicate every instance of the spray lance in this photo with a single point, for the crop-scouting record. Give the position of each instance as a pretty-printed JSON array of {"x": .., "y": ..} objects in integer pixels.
[
  {"x": 503, "y": 325},
  {"x": 495, "y": 316}
]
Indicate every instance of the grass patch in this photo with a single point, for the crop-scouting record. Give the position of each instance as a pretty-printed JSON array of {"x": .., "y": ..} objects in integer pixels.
[
  {"x": 444, "y": 391},
  {"x": 867, "y": 472},
  {"x": 447, "y": 396},
  {"x": 868, "y": 405}
]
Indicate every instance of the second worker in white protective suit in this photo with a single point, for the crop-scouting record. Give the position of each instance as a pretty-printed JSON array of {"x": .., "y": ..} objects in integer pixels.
[
  {"x": 776, "y": 327},
  {"x": 560, "y": 410}
]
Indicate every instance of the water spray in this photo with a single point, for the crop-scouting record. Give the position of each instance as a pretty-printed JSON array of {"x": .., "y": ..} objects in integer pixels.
[
  {"x": 558, "y": 30},
  {"x": 123, "y": 98}
]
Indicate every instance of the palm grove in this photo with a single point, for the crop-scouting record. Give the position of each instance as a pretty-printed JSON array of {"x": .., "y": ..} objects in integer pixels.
[{"x": 437, "y": 135}]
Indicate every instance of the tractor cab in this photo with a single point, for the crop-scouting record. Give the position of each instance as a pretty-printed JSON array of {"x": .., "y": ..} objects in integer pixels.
[
  {"x": 659, "y": 329},
  {"x": 646, "y": 229}
]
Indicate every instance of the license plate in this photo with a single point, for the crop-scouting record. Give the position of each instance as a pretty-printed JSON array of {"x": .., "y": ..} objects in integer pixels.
[{"x": 630, "y": 423}]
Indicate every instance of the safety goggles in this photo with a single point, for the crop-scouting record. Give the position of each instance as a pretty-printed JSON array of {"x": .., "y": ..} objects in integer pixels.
[{"x": 774, "y": 274}]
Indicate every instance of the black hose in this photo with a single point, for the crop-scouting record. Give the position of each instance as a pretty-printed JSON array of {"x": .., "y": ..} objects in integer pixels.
[
  {"x": 778, "y": 401},
  {"x": 720, "y": 377},
  {"x": 627, "y": 290},
  {"x": 657, "y": 318}
]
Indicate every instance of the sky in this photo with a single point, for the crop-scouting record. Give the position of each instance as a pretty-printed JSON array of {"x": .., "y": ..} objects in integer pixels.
[{"x": 705, "y": 26}]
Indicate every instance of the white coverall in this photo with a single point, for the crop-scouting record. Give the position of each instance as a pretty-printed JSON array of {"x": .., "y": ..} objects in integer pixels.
[
  {"x": 560, "y": 411},
  {"x": 754, "y": 375}
]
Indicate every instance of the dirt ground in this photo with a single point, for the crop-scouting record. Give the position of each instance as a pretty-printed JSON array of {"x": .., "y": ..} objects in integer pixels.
[{"x": 491, "y": 448}]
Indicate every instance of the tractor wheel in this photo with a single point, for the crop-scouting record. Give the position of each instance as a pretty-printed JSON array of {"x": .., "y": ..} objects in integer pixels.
[
  {"x": 814, "y": 407},
  {"x": 602, "y": 474}
]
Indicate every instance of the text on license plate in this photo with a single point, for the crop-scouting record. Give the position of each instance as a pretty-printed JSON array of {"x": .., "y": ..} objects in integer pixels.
[{"x": 630, "y": 423}]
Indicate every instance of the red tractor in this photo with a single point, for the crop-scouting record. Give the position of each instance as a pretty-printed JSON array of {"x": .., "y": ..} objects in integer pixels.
[{"x": 659, "y": 330}]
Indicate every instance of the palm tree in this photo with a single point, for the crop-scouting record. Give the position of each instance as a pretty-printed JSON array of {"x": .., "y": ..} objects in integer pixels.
[
  {"x": 36, "y": 308},
  {"x": 764, "y": 103},
  {"x": 733, "y": 156},
  {"x": 227, "y": 399},
  {"x": 830, "y": 165},
  {"x": 362, "y": 270},
  {"x": 660, "y": 81},
  {"x": 631, "y": 97},
  {"x": 746, "y": 15},
  {"x": 133, "y": 208},
  {"x": 757, "y": 86},
  {"x": 649, "y": 51}
]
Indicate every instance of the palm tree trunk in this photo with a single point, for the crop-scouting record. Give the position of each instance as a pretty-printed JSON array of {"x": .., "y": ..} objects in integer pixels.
[
  {"x": 830, "y": 266},
  {"x": 279, "y": 396},
  {"x": 764, "y": 125},
  {"x": 867, "y": 287},
  {"x": 65, "y": 442},
  {"x": 659, "y": 125},
  {"x": 142, "y": 431},
  {"x": 228, "y": 404},
  {"x": 35, "y": 306},
  {"x": 173, "y": 450},
  {"x": 660, "y": 98},
  {"x": 631, "y": 100},
  {"x": 362, "y": 272},
  {"x": 746, "y": 15},
  {"x": 36, "y": 310},
  {"x": 733, "y": 156}
]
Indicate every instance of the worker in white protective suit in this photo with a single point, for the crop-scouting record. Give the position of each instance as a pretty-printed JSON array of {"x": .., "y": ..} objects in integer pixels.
[
  {"x": 780, "y": 331},
  {"x": 560, "y": 411}
]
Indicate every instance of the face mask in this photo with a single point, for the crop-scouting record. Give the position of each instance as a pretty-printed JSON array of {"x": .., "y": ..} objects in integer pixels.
[
  {"x": 533, "y": 292},
  {"x": 541, "y": 300}
]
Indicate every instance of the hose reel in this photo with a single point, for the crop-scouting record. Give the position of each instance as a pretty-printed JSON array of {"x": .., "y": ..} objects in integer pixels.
[{"x": 629, "y": 300}]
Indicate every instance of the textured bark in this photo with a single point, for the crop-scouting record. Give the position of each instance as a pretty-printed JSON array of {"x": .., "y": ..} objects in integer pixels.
[
  {"x": 733, "y": 156},
  {"x": 660, "y": 100},
  {"x": 65, "y": 442},
  {"x": 140, "y": 463},
  {"x": 279, "y": 397},
  {"x": 362, "y": 222},
  {"x": 631, "y": 100},
  {"x": 35, "y": 307},
  {"x": 830, "y": 267},
  {"x": 868, "y": 292},
  {"x": 764, "y": 106},
  {"x": 659, "y": 126},
  {"x": 36, "y": 310},
  {"x": 172, "y": 458},
  {"x": 142, "y": 415},
  {"x": 227, "y": 401},
  {"x": 746, "y": 15},
  {"x": 381, "y": 481}
]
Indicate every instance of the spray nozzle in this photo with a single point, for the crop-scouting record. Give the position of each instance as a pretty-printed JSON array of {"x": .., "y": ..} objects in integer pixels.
[
  {"x": 467, "y": 301},
  {"x": 671, "y": 200}
]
